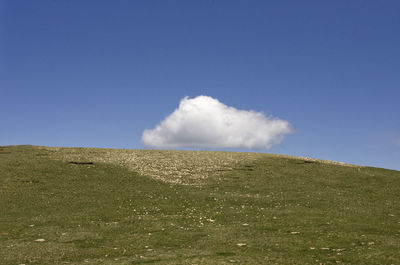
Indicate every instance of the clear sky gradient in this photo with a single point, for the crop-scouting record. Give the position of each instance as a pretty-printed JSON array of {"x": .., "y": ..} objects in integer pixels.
[{"x": 97, "y": 73}]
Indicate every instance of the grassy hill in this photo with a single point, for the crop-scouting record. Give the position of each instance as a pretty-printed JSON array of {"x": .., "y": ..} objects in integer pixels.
[{"x": 109, "y": 206}]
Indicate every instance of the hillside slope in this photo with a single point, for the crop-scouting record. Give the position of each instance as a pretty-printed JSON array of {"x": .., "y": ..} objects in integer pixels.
[{"x": 109, "y": 206}]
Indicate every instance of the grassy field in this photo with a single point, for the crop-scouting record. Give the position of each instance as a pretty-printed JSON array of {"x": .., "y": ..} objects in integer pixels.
[{"x": 109, "y": 206}]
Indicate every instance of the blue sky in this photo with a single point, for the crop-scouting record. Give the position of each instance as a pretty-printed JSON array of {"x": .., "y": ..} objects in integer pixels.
[{"x": 97, "y": 73}]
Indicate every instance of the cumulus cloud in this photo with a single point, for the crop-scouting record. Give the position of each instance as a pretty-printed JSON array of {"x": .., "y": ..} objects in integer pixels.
[{"x": 205, "y": 122}]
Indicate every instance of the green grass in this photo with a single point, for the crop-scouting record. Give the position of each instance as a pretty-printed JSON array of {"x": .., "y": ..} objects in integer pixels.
[{"x": 285, "y": 210}]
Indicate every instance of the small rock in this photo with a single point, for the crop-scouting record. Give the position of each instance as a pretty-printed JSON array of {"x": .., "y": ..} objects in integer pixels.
[
  {"x": 40, "y": 240},
  {"x": 245, "y": 224}
]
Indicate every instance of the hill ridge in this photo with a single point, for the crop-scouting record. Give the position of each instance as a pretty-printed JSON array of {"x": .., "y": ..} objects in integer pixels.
[{"x": 187, "y": 166}]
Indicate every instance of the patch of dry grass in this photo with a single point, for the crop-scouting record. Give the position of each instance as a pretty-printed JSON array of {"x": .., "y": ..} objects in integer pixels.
[{"x": 179, "y": 167}]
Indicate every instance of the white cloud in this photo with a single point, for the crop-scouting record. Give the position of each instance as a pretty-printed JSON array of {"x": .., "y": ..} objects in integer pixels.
[{"x": 207, "y": 123}]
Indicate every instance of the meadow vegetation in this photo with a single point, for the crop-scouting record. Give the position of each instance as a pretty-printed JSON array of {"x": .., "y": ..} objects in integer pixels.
[{"x": 109, "y": 206}]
